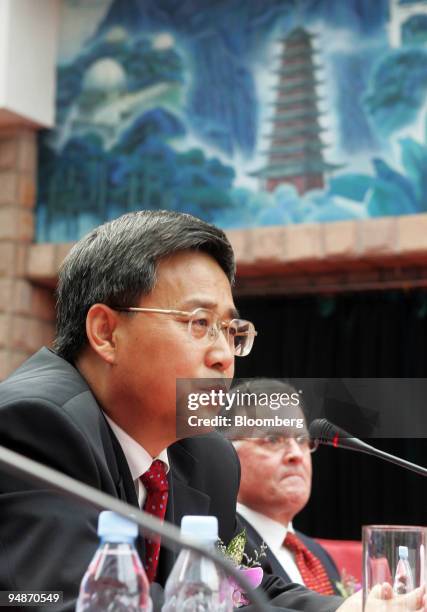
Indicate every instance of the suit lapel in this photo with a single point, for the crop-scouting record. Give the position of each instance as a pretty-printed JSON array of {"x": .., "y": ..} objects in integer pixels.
[
  {"x": 183, "y": 499},
  {"x": 125, "y": 486},
  {"x": 186, "y": 498},
  {"x": 276, "y": 567},
  {"x": 271, "y": 562},
  {"x": 84, "y": 410},
  {"x": 106, "y": 445},
  {"x": 120, "y": 471}
]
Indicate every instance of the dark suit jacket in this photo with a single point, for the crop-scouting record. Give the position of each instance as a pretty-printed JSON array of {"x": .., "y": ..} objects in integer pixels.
[
  {"x": 48, "y": 413},
  {"x": 273, "y": 566}
]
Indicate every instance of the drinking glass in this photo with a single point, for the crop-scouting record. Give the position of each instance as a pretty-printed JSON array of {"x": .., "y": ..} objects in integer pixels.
[{"x": 393, "y": 554}]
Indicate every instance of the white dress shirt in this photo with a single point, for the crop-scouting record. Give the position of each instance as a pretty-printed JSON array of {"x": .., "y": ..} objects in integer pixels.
[
  {"x": 138, "y": 459},
  {"x": 273, "y": 534}
]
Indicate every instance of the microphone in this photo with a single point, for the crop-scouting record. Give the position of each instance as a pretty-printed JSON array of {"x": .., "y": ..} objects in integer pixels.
[
  {"x": 324, "y": 432},
  {"x": 16, "y": 464}
]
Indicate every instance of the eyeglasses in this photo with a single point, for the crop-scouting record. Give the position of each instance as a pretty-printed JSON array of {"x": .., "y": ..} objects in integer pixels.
[
  {"x": 205, "y": 325},
  {"x": 275, "y": 443}
]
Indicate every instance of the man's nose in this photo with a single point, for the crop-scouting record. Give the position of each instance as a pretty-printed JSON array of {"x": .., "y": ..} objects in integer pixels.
[
  {"x": 220, "y": 354},
  {"x": 292, "y": 452}
]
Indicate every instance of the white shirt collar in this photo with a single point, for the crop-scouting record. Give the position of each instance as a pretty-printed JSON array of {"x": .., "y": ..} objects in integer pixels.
[
  {"x": 272, "y": 532},
  {"x": 139, "y": 460}
]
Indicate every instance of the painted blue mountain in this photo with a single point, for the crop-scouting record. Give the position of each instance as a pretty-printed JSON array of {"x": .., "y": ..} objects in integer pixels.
[
  {"x": 143, "y": 66},
  {"x": 398, "y": 89},
  {"x": 222, "y": 39},
  {"x": 84, "y": 183},
  {"x": 200, "y": 16},
  {"x": 361, "y": 16},
  {"x": 352, "y": 73},
  {"x": 414, "y": 30}
]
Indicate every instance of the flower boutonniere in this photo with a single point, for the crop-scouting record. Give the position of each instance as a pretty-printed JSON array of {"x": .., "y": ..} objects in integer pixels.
[
  {"x": 347, "y": 585},
  {"x": 249, "y": 566}
]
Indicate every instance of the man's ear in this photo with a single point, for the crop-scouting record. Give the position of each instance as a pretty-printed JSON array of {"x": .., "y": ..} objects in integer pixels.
[{"x": 101, "y": 324}]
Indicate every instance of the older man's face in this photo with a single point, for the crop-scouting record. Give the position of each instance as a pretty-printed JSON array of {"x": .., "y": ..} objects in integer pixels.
[
  {"x": 154, "y": 350},
  {"x": 276, "y": 476}
]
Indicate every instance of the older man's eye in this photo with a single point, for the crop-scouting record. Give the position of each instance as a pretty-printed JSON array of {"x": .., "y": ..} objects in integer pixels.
[
  {"x": 303, "y": 440},
  {"x": 273, "y": 440}
]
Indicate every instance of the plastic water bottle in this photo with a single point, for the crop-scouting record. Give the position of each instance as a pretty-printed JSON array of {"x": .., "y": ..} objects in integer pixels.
[
  {"x": 196, "y": 584},
  {"x": 403, "y": 580},
  {"x": 115, "y": 579}
]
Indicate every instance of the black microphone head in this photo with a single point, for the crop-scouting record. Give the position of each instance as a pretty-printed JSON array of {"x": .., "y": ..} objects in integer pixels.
[{"x": 327, "y": 433}]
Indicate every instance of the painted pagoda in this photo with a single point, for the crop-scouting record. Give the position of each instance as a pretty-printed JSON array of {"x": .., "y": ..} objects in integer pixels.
[{"x": 295, "y": 153}]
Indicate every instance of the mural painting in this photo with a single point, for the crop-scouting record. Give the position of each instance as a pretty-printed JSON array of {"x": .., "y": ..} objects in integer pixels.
[{"x": 268, "y": 112}]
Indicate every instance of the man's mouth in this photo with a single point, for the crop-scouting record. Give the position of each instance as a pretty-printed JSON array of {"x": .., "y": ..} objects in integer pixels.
[{"x": 292, "y": 475}]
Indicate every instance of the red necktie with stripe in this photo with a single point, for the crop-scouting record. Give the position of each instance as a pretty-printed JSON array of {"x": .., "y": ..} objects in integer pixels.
[
  {"x": 311, "y": 569},
  {"x": 157, "y": 487}
]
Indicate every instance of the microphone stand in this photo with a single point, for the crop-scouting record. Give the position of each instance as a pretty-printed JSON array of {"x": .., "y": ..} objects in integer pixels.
[
  {"x": 331, "y": 435},
  {"x": 38, "y": 473}
]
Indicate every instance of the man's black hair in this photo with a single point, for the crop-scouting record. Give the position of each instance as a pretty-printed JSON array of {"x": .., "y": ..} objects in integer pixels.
[{"x": 115, "y": 264}]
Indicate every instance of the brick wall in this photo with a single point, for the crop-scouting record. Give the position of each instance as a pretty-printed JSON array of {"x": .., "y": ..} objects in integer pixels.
[
  {"x": 368, "y": 254},
  {"x": 26, "y": 310}
]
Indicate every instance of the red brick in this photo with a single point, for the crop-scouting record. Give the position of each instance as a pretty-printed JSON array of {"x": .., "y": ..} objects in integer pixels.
[
  {"x": 43, "y": 304},
  {"x": 26, "y": 195},
  {"x": 241, "y": 243},
  {"x": 412, "y": 231},
  {"x": 6, "y": 294},
  {"x": 47, "y": 333},
  {"x": 26, "y": 226},
  {"x": 8, "y": 187},
  {"x": 37, "y": 334},
  {"x": 268, "y": 244},
  {"x": 378, "y": 237},
  {"x": 340, "y": 240},
  {"x": 4, "y": 330},
  {"x": 27, "y": 152},
  {"x": 23, "y": 334},
  {"x": 61, "y": 251},
  {"x": 7, "y": 257},
  {"x": 16, "y": 223},
  {"x": 41, "y": 261},
  {"x": 4, "y": 364},
  {"x": 304, "y": 243},
  {"x": 22, "y": 297},
  {"x": 21, "y": 258},
  {"x": 8, "y": 153}
]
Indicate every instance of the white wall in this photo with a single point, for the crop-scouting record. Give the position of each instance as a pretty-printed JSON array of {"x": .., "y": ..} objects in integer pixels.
[{"x": 28, "y": 48}]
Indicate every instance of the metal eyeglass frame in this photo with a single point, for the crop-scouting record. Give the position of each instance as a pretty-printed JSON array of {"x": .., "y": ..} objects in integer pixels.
[
  {"x": 213, "y": 331},
  {"x": 301, "y": 440}
]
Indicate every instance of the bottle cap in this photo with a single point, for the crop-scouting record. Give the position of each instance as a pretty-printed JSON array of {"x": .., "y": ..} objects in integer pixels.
[
  {"x": 403, "y": 552},
  {"x": 113, "y": 527},
  {"x": 202, "y": 528}
]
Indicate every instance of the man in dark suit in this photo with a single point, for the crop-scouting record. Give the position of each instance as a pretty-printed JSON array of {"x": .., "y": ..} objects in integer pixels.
[
  {"x": 276, "y": 484},
  {"x": 142, "y": 301}
]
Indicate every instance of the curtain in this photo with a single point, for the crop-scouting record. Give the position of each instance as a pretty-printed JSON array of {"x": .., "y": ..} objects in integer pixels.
[{"x": 381, "y": 334}]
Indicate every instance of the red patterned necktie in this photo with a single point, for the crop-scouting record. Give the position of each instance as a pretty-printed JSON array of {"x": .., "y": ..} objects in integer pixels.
[
  {"x": 157, "y": 487},
  {"x": 311, "y": 569}
]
